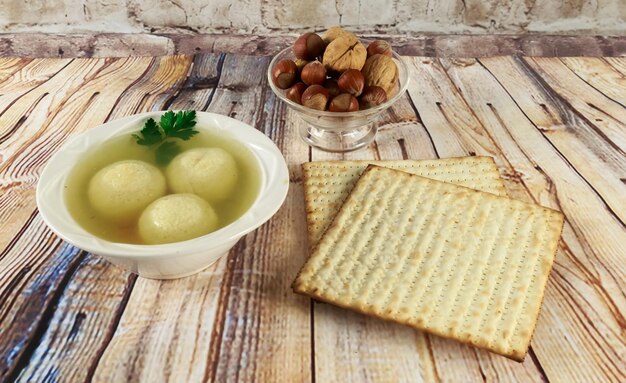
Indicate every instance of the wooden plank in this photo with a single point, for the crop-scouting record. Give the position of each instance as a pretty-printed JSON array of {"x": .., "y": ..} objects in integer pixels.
[
  {"x": 602, "y": 165},
  {"x": 252, "y": 296},
  {"x": 452, "y": 127},
  {"x": 200, "y": 84},
  {"x": 29, "y": 298},
  {"x": 618, "y": 63},
  {"x": 259, "y": 300},
  {"x": 100, "y": 301},
  {"x": 599, "y": 74},
  {"x": 600, "y": 111},
  {"x": 156, "y": 88},
  {"x": 34, "y": 110},
  {"x": 29, "y": 78},
  {"x": 29, "y": 73},
  {"x": 563, "y": 343},
  {"x": 350, "y": 347},
  {"x": 448, "y": 143},
  {"x": 72, "y": 335},
  {"x": 23, "y": 160},
  {"x": 405, "y": 140},
  {"x": 165, "y": 332},
  {"x": 78, "y": 104},
  {"x": 455, "y": 131},
  {"x": 110, "y": 82},
  {"x": 266, "y": 333},
  {"x": 146, "y": 299},
  {"x": 9, "y": 66}
]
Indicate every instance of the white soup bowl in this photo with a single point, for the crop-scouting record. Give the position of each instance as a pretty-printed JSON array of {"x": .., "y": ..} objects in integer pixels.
[{"x": 172, "y": 260}]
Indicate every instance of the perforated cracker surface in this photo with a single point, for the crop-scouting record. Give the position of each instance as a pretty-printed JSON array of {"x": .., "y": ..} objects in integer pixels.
[
  {"x": 445, "y": 259},
  {"x": 328, "y": 183}
]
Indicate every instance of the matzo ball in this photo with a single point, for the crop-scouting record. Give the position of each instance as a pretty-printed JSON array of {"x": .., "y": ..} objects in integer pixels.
[
  {"x": 119, "y": 192},
  {"x": 177, "y": 217},
  {"x": 210, "y": 173}
]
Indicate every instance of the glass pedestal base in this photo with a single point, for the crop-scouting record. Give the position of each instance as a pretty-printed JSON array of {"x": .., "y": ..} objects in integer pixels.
[{"x": 338, "y": 141}]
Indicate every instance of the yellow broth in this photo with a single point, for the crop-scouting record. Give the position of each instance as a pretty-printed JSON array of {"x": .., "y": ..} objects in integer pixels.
[{"x": 125, "y": 148}]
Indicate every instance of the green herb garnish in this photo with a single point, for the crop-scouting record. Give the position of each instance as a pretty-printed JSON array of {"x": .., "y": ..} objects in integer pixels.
[
  {"x": 166, "y": 152},
  {"x": 172, "y": 125}
]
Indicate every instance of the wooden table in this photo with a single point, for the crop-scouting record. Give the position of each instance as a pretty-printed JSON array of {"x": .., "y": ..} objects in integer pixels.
[{"x": 556, "y": 127}]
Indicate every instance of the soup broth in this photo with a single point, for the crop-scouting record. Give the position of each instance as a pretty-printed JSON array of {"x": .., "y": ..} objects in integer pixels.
[{"x": 125, "y": 148}]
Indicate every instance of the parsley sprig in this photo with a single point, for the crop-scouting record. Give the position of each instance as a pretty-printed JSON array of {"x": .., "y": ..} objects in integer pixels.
[{"x": 171, "y": 126}]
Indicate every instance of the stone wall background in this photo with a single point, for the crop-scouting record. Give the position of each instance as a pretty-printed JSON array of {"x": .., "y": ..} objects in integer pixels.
[{"x": 267, "y": 17}]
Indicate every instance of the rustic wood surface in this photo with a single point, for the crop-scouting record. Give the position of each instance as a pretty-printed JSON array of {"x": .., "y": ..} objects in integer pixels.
[{"x": 556, "y": 127}]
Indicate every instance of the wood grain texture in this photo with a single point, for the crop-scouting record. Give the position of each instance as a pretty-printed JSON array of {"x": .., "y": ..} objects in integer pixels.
[
  {"x": 257, "y": 299},
  {"x": 78, "y": 97},
  {"x": 603, "y": 113},
  {"x": 110, "y": 293},
  {"x": 590, "y": 153},
  {"x": 18, "y": 83},
  {"x": 88, "y": 301},
  {"x": 227, "y": 338},
  {"x": 556, "y": 128},
  {"x": 599, "y": 74},
  {"x": 456, "y": 132},
  {"x": 25, "y": 153},
  {"x": 48, "y": 354},
  {"x": 10, "y": 66},
  {"x": 29, "y": 294},
  {"x": 507, "y": 126},
  {"x": 388, "y": 349},
  {"x": 619, "y": 64},
  {"x": 164, "y": 333}
]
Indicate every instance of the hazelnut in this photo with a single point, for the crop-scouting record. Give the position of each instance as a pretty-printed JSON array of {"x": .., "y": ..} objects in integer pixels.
[
  {"x": 295, "y": 92},
  {"x": 308, "y": 46},
  {"x": 345, "y": 102},
  {"x": 351, "y": 81},
  {"x": 372, "y": 96},
  {"x": 343, "y": 53},
  {"x": 315, "y": 97},
  {"x": 313, "y": 73},
  {"x": 379, "y": 47},
  {"x": 284, "y": 73},
  {"x": 333, "y": 88},
  {"x": 380, "y": 70}
]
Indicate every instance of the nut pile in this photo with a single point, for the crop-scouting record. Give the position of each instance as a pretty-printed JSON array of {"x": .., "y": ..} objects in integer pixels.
[{"x": 337, "y": 72}]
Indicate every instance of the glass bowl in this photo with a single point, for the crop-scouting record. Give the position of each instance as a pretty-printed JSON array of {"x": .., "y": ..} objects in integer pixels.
[{"x": 339, "y": 132}]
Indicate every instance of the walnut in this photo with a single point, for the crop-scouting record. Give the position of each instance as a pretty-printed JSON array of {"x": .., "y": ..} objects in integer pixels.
[
  {"x": 333, "y": 32},
  {"x": 380, "y": 70},
  {"x": 343, "y": 53}
]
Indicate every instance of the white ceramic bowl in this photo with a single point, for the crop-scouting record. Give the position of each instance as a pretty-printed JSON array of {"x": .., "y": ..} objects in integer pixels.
[{"x": 172, "y": 260}]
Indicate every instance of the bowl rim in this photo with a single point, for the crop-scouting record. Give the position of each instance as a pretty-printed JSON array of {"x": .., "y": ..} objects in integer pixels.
[
  {"x": 273, "y": 188},
  {"x": 323, "y": 113}
]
